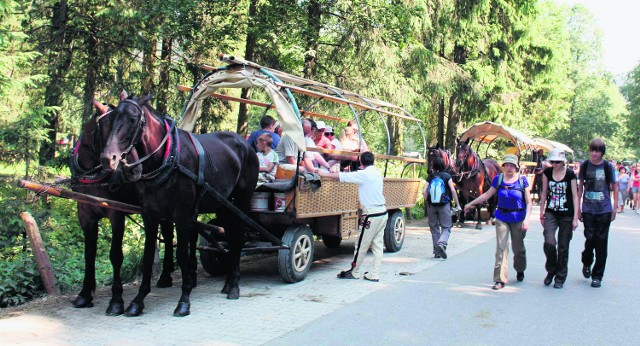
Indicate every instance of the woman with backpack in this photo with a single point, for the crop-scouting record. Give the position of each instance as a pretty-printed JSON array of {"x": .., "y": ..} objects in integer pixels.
[
  {"x": 559, "y": 210},
  {"x": 512, "y": 218},
  {"x": 437, "y": 193}
]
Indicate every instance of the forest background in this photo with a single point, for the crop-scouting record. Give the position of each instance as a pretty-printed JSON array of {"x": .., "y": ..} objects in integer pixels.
[{"x": 532, "y": 65}]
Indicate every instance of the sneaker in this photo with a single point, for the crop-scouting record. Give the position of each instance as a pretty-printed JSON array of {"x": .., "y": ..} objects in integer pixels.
[
  {"x": 443, "y": 251},
  {"x": 596, "y": 283},
  {"x": 586, "y": 271},
  {"x": 366, "y": 277},
  {"x": 520, "y": 276},
  {"x": 548, "y": 279},
  {"x": 558, "y": 285},
  {"x": 437, "y": 256},
  {"x": 498, "y": 285}
]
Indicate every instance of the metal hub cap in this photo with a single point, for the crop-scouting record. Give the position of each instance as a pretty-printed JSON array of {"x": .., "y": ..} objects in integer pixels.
[{"x": 302, "y": 253}]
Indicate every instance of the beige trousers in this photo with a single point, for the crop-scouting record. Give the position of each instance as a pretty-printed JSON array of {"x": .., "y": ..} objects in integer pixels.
[
  {"x": 501, "y": 268},
  {"x": 371, "y": 236}
]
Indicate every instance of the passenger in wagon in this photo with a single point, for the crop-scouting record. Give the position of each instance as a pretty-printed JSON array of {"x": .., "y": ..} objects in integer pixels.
[
  {"x": 267, "y": 125},
  {"x": 268, "y": 159}
]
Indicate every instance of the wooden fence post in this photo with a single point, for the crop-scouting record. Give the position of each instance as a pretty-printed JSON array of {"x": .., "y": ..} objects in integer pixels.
[{"x": 42, "y": 260}]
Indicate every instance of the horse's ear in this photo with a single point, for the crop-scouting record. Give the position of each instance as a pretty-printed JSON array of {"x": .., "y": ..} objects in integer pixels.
[
  {"x": 100, "y": 107},
  {"x": 145, "y": 99},
  {"x": 123, "y": 95},
  {"x": 438, "y": 145}
]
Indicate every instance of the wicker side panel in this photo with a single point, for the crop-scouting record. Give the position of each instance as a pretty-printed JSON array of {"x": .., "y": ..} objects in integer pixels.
[
  {"x": 332, "y": 198},
  {"x": 400, "y": 193},
  {"x": 349, "y": 226}
]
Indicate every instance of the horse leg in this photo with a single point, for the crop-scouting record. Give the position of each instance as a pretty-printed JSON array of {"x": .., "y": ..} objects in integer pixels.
[
  {"x": 461, "y": 214},
  {"x": 116, "y": 304},
  {"x": 89, "y": 224},
  {"x": 478, "y": 223},
  {"x": 183, "y": 230},
  {"x": 150, "y": 235},
  {"x": 168, "y": 266},
  {"x": 235, "y": 240}
]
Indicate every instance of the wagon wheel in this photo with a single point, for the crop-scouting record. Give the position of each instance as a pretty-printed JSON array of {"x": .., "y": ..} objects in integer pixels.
[
  {"x": 294, "y": 263},
  {"x": 213, "y": 263},
  {"x": 394, "y": 232},
  {"x": 331, "y": 241}
]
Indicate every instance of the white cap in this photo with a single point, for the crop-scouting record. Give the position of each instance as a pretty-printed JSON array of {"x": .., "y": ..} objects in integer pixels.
[
  {"x": 557, "y": 155},
  {"x": 321, "y": 125},
  {"x": 328, "y": 129}
]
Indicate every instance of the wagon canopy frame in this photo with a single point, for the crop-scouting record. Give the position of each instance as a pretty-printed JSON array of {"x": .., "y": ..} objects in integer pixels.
[
  {"x": 281, "y": 87},
  {"x": 487, "y": 132},
  {"x": 549, "y": 145}
]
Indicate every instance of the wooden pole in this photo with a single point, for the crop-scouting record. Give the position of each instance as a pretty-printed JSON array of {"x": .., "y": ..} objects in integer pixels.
[
  {"x": 80, "y": 197},
  {"x": 42, "y": 260}
]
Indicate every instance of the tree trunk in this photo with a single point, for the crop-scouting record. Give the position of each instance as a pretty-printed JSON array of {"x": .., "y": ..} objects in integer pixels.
[
  {"x": 59, "y": 62},
  {"x": 249, "y": 51},
  {"x": 165, "y": 81},
  {"x": 314, "y": 13},
  {"x": 441, "y": 116},
  {"x": 452, "y": 123},
  {"x": 94, "y": 61},
  {"x": 148, "y": 67}
]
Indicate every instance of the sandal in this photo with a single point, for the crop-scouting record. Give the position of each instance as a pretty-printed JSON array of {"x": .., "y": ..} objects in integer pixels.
[{"x": 346, "y": 274}]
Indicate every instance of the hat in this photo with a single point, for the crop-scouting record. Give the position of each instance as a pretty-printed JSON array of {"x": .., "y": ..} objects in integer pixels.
[
  {"x": 557, "y": 155},
  {"x": 328, "y": 129},
  {"x": 511, "y": 158},
  {"x": 321, "y": 125}
]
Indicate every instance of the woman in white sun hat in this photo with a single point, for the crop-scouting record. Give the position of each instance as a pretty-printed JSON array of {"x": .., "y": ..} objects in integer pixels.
[{"x": 559, "y": 208}]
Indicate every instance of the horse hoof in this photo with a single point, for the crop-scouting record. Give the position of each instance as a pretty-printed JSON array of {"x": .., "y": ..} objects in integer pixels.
[
  {"x": 233, "y": 293},
  {"x": 182, "y": 309},
  {"x": 134, "y": 310},
  {"x": 478, "y": 226},
  {"x": 164, "y": 282},
  {"x": 225, "y": 289},
  {"x": 115, "y": 309},
  {"x": 82, "y": 302}
]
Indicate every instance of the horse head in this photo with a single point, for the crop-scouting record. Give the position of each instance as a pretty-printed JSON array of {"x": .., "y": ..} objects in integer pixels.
[{"x": 131, "y": 122}]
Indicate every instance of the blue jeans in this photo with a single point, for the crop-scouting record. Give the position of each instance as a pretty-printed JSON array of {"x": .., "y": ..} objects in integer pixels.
[{"x": 596, "y": 232}]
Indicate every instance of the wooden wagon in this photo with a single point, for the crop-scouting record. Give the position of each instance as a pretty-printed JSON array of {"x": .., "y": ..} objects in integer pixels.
[{"x": 299, "y": 209}]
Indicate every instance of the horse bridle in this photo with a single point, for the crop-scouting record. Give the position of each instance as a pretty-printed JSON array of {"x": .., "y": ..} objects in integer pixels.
[
  {"x": 473, "y": 170},
  {"x": 137, "y": 136}
]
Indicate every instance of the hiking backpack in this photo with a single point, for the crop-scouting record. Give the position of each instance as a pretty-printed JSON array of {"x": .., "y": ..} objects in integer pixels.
[{"x": 438, "y": 192}]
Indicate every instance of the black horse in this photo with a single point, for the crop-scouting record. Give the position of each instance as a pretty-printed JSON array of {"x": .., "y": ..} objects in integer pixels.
[
  {"x": 445, "y": 155},
  {"x": 473, "y": 178},
  {"x": 183, "y": 174},
  {"x": 89, "y": 178}
]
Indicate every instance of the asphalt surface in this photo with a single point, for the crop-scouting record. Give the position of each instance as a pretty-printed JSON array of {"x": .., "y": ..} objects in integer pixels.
[{"x": 419, "y": 300}]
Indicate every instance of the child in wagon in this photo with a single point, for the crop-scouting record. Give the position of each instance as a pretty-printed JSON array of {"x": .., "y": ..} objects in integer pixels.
[{"x": 268, "y": 159}]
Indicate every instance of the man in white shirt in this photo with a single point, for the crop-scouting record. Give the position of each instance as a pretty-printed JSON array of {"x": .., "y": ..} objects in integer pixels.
[{"x": 373, "y": 219}]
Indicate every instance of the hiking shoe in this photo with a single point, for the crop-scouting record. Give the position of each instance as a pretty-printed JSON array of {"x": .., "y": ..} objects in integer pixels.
[
  {"x": 586, "y": 271},
  {"x": 548, "y": 279},
  {"x": 520, "y": 276},
  {"x": 437, "y": 256},
  {"x": 498, "y": 286},
  {"x": 443, "y": 251},
  {"x": 596, "y": 283}
]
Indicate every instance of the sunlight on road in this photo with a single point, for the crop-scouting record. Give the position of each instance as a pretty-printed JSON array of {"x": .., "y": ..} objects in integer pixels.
[{"x": 37, "y": 329}]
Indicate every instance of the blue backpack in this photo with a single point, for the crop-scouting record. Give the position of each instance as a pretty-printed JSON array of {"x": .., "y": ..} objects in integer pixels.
[{"x": 438, "y": 192}]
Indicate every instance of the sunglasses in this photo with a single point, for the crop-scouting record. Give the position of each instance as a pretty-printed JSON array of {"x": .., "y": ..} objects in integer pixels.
[
  {"x": 328, "y": 134},
  {"x": 554, "y": 162}
]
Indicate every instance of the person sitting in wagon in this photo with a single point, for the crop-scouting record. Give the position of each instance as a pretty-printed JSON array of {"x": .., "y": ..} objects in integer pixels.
[{"x": 268, "y": 158}]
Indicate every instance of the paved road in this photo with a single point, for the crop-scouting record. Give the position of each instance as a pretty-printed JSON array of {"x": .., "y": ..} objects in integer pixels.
[{"x": 420, "y": 300}]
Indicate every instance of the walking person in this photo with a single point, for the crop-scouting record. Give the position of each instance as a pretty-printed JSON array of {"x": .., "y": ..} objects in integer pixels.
[
  {"x": 596, "y": 183},
  {"x": 372, "y": 220},
  {"x": 438, "y": 192},
  {"x": 623, "y": 188},
  {"x": 512, "y": 218},
  {"x": 635, "y": 186},
  {"x": 559, "y": 209}
]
